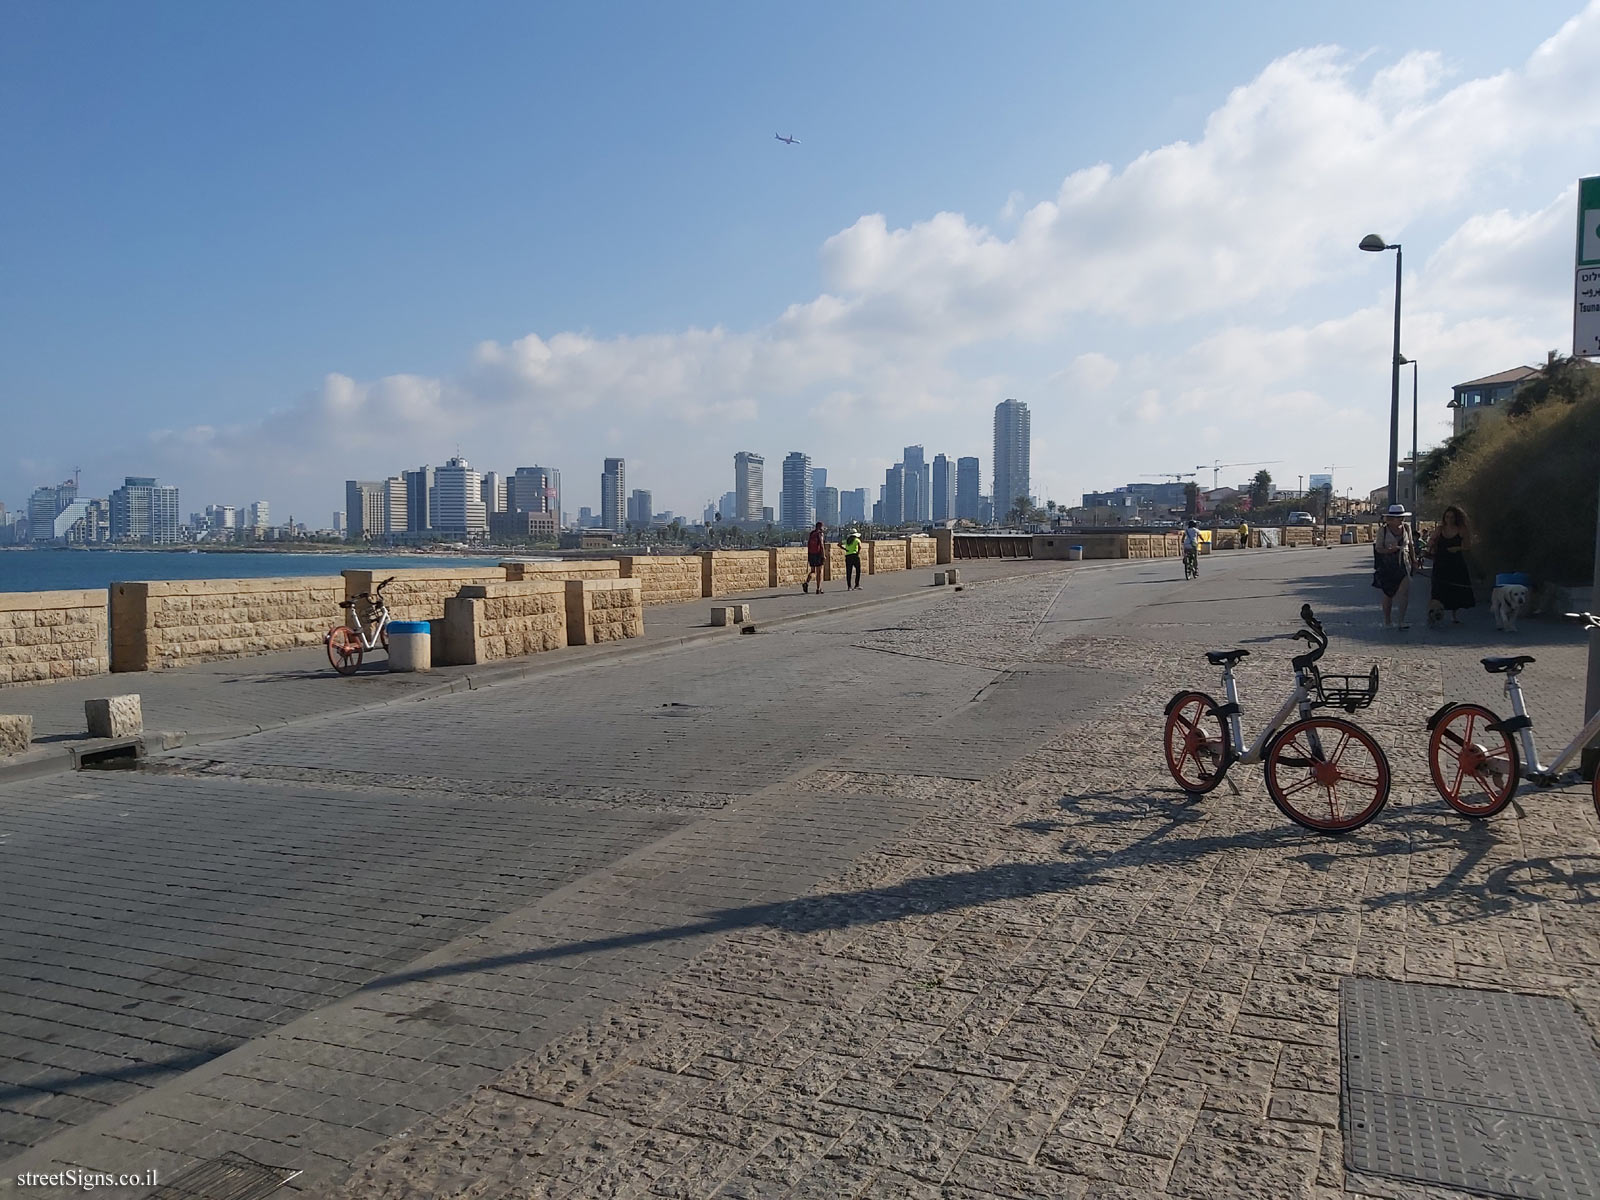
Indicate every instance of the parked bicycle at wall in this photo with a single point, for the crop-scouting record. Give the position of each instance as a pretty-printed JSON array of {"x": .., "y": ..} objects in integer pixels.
[
  {"x": 1477, "y": 760},
  {"x": 347, "y": 645},
  {"x": 1323, "y": 772}
]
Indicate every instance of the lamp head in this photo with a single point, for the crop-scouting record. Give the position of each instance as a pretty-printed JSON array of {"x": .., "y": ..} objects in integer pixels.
[{"x": 1373, "y": 242}]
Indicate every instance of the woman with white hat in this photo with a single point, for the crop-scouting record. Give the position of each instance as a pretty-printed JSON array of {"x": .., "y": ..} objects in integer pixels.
[{"x": 1393, "y": 555}]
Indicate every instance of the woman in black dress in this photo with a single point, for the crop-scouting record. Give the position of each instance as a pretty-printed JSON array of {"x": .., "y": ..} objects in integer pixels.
[{"x": 1452, "y": 583}]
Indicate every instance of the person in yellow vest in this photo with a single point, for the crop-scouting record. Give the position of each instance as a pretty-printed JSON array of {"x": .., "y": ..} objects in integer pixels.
[
  {"x": 1244, "y": 534},
  {"x": 851, "y": 544}
]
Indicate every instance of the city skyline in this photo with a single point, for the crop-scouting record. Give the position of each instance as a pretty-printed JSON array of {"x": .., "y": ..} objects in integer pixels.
[{"x": 1163, "y": 280}]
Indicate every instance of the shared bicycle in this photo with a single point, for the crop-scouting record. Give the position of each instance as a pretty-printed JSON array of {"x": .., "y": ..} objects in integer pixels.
[
  {"x": 1477, "y": 760},
  {"x": 1191, "y": 563},
  {"x": 1325, "y": 773},
  {"x": 348, "y": 644}
]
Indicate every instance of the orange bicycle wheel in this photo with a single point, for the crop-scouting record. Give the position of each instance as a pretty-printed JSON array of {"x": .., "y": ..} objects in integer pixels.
[
  {"x": 1327, "y": 774},
  {"x": 1474, "y": 765},
  {"x": 345, "y": 649},
  {"x": 1195, "y": 742}
]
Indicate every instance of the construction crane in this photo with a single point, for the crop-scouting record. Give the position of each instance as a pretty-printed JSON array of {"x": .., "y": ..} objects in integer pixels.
[
  {"x": 1217, "y": 468},
  {"x": 1175, "y": 476}
]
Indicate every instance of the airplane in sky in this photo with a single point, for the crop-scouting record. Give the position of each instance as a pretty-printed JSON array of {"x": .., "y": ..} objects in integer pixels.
[{"x": 791, "y": 141}]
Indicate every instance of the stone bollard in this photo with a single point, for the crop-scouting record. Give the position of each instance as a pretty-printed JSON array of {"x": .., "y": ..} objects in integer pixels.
[
  {"x": 939, "y": 578},
  {"x": 729, "y": 614},
  {"x": 952, "y": 576},
  {"x": 114, "y": 716},
  {"x": 410, "y": 646},
  {"x": 16, "y": 734}
]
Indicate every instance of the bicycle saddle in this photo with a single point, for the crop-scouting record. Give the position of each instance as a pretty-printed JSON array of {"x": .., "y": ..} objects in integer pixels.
[
  {"x": 1499, "y": 666},
  {"x": 1219, "y": 658}
]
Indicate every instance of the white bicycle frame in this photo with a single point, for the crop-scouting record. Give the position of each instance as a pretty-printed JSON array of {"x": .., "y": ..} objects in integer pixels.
[
  {"x": 1299, "y": 699},
  {"x": 381, "y": 610},
  {"x": 1534, "y": 769}
]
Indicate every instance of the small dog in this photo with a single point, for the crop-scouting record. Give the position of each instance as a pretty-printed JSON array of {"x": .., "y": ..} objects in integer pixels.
[
  {"x": 1435, "y": 612},
  {"x": 1507, "y": 602}
]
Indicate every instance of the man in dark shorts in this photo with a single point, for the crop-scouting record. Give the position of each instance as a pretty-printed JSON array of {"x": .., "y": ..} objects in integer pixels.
[{"x": 816, "y": 552}]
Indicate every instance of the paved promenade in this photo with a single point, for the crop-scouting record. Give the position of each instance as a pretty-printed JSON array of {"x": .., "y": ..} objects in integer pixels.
[{"x": 895, "y": 901}]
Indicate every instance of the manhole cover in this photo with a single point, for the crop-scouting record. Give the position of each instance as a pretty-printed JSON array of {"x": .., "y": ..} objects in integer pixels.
[
  {"x": 231, "y": 1177},
  {"x": 1490, "y": 1092}
]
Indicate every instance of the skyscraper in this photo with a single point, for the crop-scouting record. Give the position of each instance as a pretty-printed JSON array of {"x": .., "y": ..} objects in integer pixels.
[
  {"x": 728, "y": 506},
  {"x": 895, "y": 494},
  {"x": 853, "y": 505},
  {"x": 748, "y": 469},
  {"x": 144, "y": 511},
  {"x": 640, "y": 508},
  {"x": 967, "y": 489},
  {"x": 45, "y": 505},
  {"x": 494, "y": 492},
  {"x": 1011, "y": 455},
  {"x": 613, "y": 495},
  {"x": 456, "y": 505},
  {"x": 364, "y": 511},
  {"x": 419, "y": 499},
  {"x": 828, "y": 505},
  {"x": 394, "y": 504},
  {"x": 260, "y": 515},
  {"x": 799, "y": 501},
  {"x": 944, "y": 488},
  {"x": 534, "y": 490},
  {"x": 919, "y": 493}
]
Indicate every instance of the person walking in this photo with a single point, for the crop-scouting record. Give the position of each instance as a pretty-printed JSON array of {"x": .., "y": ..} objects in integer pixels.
[
  {"x": 851, "y": 545},
  {"x": 816, "y": 553},
  {"x": 1393, "y": 557},
  {"x": 1452, "y": 582}
]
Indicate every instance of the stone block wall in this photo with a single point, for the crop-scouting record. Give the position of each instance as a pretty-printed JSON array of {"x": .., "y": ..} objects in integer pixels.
[
  {"x": 1297, "y": 535},
  {"x": 52, "y": 635},
  {"x": 560, "y": 572},
  {"x": 664, "y": 578},
  {"x": 1171, "y": 544},
  {"x": 833, "y": 565},
  {"x": 172, "y": 622},
  {"x": 604, "y": 610},
  {"x": 786, "y": 566},
  {"x": 1139, "y": 545},
  {"x": 945, "y": 545},
  {"x": 418, "y": 594},
  {"x": 885, "y": 554},
  {"x": 729, "y": 572},
  {"x": 490, "y": 621},
  {"x": 921, "y": 552}
]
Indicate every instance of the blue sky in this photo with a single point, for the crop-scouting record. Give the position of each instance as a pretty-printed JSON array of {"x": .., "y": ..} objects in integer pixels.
[{"x": 258, "y": 250}]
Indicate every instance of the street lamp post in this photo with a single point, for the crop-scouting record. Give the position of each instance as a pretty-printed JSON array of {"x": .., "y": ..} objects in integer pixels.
[
  {"x": 1376, "y": 244},
  {"x": 1415, "y": 489}
]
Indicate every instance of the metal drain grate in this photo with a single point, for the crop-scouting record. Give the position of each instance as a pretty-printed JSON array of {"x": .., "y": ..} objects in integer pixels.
[
  {"x": 231, "y": 1177},
  {"x": 1490, "y": 1092}
]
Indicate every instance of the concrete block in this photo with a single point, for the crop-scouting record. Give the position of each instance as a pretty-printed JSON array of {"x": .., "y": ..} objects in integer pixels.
[
  {"x": 730, "y": 614},
  {"x": 953, "y": 575},
  {"x": 114, "y": 716},
  {"x": 16, "y": 734},
  {"x": 939, "y": 578}
]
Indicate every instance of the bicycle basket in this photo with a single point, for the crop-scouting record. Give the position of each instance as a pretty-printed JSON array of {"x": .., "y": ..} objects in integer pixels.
[{"x": 1348, "y": 692}]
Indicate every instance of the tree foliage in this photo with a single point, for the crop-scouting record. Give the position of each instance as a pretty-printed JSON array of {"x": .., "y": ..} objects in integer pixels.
[
  {"x": 1261, "y": 489},
  {"x": 1529, "y": 483}
]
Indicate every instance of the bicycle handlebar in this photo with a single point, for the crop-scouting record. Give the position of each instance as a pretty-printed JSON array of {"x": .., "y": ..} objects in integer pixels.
[
  {"x": 1588, "y": 618},
  {"x": 1314, "y": 636}
]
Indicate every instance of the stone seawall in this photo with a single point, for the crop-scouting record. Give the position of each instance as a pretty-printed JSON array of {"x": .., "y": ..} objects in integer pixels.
[
  {"x": 885, "y": 554},
  {"x": 664, "y": 578},
  {"x": 418, "y": 594},
  {"x": 52, "y": 635},
  {"x": 603, "y": 610},
  {"x": 490, "y": 621},
  {"x": 922, "y": 552},
  {"x": 786, "y": 566},
  {"x": 168, "y": 623},
  {"x": 560, "y": 572},
  {"x": 730, "y": 572}
]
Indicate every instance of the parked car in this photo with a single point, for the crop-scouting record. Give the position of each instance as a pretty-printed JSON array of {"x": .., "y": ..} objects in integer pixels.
[{"x": 1301, "y": 518}]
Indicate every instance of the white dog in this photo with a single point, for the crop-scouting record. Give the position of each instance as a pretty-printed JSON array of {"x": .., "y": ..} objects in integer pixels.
[{"x": 1507, "y": 603}]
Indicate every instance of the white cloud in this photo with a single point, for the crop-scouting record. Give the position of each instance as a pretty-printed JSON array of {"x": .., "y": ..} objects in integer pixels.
[{"x": 1180, "y": 265}]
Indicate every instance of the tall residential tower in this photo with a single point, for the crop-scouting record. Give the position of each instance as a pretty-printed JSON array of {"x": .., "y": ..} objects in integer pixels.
[{"x": 1011, "y": 455}]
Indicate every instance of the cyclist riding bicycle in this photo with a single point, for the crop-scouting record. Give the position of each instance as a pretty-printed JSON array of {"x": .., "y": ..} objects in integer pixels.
[{"x": 1191, "y": 549}]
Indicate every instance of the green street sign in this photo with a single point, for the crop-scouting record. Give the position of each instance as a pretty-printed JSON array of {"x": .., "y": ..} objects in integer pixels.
[{"x": 1586, "y": 278}]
